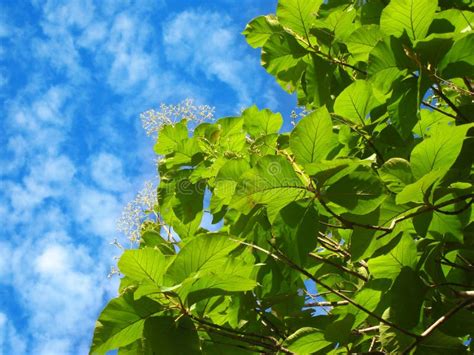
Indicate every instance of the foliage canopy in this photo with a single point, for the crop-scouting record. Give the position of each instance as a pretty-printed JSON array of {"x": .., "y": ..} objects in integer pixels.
[{"x": 353, "y": 232}]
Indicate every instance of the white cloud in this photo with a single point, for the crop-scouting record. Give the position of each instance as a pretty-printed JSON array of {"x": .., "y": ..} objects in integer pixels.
[
  {"x": 97, "y": 212},
  {"x": 208, "y": 42},
  {"x": 48, "y": 177},
  {"x": 61, "y": 287},
  {"x": 10, "y": 341},
  {"x": 107, "y": 171}
]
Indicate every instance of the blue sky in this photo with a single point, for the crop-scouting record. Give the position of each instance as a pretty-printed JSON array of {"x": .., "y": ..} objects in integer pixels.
[{"x": 74, "y": 78}]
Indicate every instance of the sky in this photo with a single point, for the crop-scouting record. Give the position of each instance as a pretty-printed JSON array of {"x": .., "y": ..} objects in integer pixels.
[{"x": 74, "y": 77}]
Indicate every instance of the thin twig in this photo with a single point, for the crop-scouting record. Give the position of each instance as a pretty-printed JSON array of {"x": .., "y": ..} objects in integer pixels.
[
  {"x": 467, "y": 82},
  {"x": 362, "y": 134},
  {"x": 438, "y": 109},
  {"x": 338, "y": 266},
  {"x": 326, "y": 304},
  {"x": 439, "y": 91},
  {"x": 366, "y": 330},
  {"x": 283, "y": 258},
  {"x": 437, "y": 324},
  {"x": 425, "y": 208},
  {"x": 350, "y": 224},
  {"x": 468, "y": 204}
]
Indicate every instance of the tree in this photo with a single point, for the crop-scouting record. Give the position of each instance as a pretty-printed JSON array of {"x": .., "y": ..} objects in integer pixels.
[{"x": 353, "y": 233}]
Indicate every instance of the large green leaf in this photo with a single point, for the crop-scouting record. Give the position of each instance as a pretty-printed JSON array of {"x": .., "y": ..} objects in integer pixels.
[
  {"x": 407, "y": 295},
  {"x": 411, "y": 16},
  {"x": 170, "y": 136},
  {"x": 403, "y": 107},
  {"x": 226, "y": 182},
  {"x": 121, "y": 322},
  {"x": 273, "y": 183},
  {"x": 420, "y": 190},
  {"x": 389, "y": 265},
  {"x": 459, "y": 61},
  {"x": 368, "y": 298},
  {"x": 387, "y": 63},
  {"x": 307, "y": 341},
  {"x": 145, "y": 264},
  {"x": 282, "y": 57},
  {"x": 356, "y": 102},
  {"x": 203, "y": 253},
  {"x": 358, "y": 192},
  {"x": 312, "y": 139},
  {"x": 440, "y": 151},
  {"x": 317, "y": 82},
  {"x": 453, "y": 20},
  {"x": 295, "y": 230},
  {"x": 261, "y": 122},
  {"x": 260, "y": 29},
  {"x": 363, "y": 40},
  {"x": 448, "y": 223},
  {"x": 298, "y": 15},
  {"x": 167, "y": 335},
  {"x": 396, "y": 174}
]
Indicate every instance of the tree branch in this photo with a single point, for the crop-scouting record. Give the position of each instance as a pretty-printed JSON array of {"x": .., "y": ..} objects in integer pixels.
[
  {"x": 437, "y": 324},
  {"x": 326, "y": 304},
  {"x": 362, "y": 134},
  {"x": 426, "y": 208},
  {"x": 338, "y": 266},
  {"x": 438, "y": 109},
  {"x": 290, "y": 263},
  {"x": 439, "y": 91}
]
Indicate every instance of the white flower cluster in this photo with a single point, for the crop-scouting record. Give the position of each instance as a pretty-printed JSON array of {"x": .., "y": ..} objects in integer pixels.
[
  {"x": 138, "y": 210},
  {"x": 298, "y": 114},
  {"x": 153, "y": 120}
]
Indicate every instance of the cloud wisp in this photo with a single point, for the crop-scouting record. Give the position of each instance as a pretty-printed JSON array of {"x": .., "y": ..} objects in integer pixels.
[{"x": 74, "y": 77}]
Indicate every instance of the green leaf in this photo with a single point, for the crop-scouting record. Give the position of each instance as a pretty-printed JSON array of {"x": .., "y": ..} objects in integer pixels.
[
  {"x": 273, "y": 182},
  {"x": 307, "y": 341},
  {"x": 170, "y": 136},
  {"x": 396, "y": 174},
  {"x": 226, "y": 182},
  {"x": 317, "y": 82},
  {"x": 362, "y": 41},
  {"x": 201, "y": 254},
  {"x": 459, "y": 61},
  {"x": 356, "y": 102},
  {"x": 407, "y": 294},
  {"x": 295, "y": 230},
  {"x": 439, "y": 343},
  {"x": 312, "y": 138},
  {"x": 282, "y": 57},
  {"x": 433, "y": 48},
  {"x": 188, "y": 201},
  {"x": 298, "y": 15},
  {"x": 440, "y": 151},
  {"x": 369, "y": 299},
  {"x": 145, "y": 264},
  {"x": 121, "y": 322},
  {"x": 420, "y": 190},
  {"x": 447, "y": 224},
  {"x": 411, "y": 16},
  {"x": 214, "y": 284},
  {"x": 453, "y": 20},
  {"x": 261, "y": 122},
  {"x": 429, "y": 120},
  {"x": 358, "y": 192},
  {"x": 403, "y": 107},
  {"x": 260, "y": 29},
  {"x": 387, "y": 63},
  {"x": 167, "y": 335},
  {"x": 390, "y": 264}
]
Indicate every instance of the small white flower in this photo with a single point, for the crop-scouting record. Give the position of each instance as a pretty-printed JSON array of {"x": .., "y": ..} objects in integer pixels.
[{"x": 153, "y": 120}]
